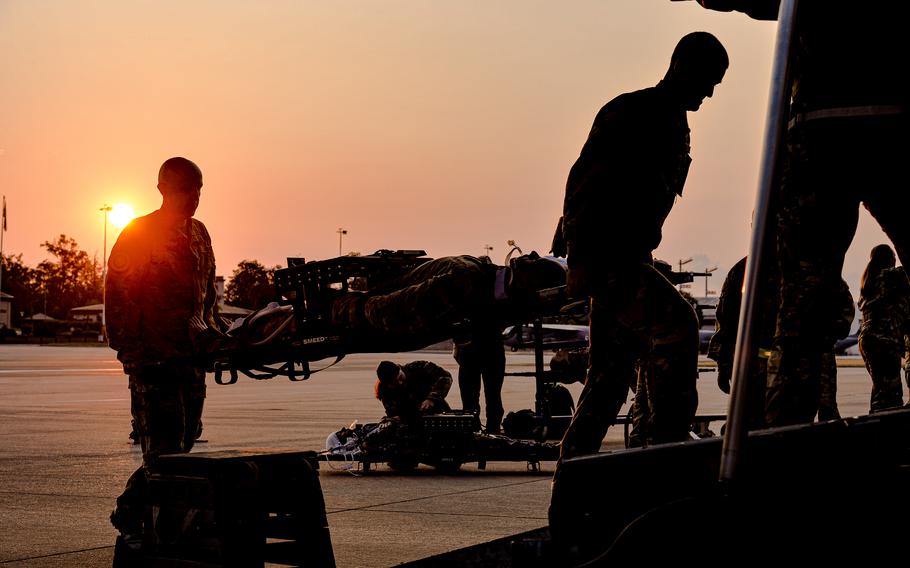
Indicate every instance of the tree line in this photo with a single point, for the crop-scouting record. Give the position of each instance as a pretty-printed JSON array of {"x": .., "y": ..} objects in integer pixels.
[{"x": 68, "y": 279}]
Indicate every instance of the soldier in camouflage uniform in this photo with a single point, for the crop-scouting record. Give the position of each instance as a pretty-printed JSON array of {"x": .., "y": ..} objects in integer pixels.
[
  {"x": 408, "y": 391},
  {"x": 847, "y": 144},
  {"x": 619, "y": 192},
  {"x": 723, "y": 342},
  {"x": 885, "y": 305},
  {"x": 161, "y": 316},
  {"x": 482, "y": 358}
]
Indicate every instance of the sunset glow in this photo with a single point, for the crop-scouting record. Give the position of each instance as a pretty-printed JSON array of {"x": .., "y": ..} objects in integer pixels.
[
  {"x": 121, "y": 214},
  {"x": 441, "y": 126}
]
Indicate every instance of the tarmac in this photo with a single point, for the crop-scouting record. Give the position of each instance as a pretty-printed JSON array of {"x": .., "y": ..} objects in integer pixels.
[{"x": 65, "y": 455}]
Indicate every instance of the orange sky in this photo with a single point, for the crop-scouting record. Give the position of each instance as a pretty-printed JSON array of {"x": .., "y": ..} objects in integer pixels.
[{"x": 428, "y": 124}]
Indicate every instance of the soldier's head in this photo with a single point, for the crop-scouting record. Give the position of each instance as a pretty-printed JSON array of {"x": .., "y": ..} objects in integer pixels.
[
  {"x": 180, "y": 184},
  {"x": 530, "y": 272},
  {"x": 698, "y": 64},
  {"x": 882, "y": 255},
  {"x": 389, "y": 376},
  {"x": 880, "y": 258}
]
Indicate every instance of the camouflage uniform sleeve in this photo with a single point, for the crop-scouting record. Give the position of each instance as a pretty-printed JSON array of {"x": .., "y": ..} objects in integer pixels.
[
  {"x": 599, "y": 155},
  {"x": 125, "y": 268},
  {"x": 723, "y": 342},
  {"x": 439, "y": 379},
  {"x": 210, "y": 304}
]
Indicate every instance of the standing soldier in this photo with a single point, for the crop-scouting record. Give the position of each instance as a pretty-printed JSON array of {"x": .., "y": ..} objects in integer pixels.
[
  {"x": 884, "y": 298},
  {"x": 848, "y": 141},
  {"x": 482, "y": 358},
  {"x": 723, "y": 342},
  {"x": 618, "y": 194},
  {"x": 162, "y": 315}
]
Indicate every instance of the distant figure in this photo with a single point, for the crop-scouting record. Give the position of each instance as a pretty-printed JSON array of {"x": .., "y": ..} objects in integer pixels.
[
  {"x": 482, "y": 357},
  {"x": 412, "y": 390},
  {"x": 885, "y": 305},
  {"x": 847, "y": 144},
  {"x": 620, "y": 190},
  {"x": 162, "y": 316}
]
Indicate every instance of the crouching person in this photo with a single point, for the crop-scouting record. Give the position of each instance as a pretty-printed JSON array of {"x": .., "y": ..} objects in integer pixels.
[{"x": 412, "y": 390}]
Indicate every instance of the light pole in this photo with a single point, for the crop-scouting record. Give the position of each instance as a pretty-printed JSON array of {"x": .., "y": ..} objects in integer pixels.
[
  {"x": 708, "y": 272},
  {"x": 341, "y": 232},
  {"x": 106, "y": 209},
  {"x": 487, "y": 249},
  {"x": 683, "y": 262}
]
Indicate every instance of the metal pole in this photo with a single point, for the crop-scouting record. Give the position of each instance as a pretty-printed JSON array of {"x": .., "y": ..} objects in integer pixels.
[
  {"x": 340, "y": 232},
  {"x": 3, "y": 230},
  {"x": 106, "y": 209},
  {"x": 775, "y": 129}
]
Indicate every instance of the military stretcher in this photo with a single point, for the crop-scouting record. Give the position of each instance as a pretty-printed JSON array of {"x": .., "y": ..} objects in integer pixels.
[
  {"x": 285, "y": 338},
  {"x": 445, "y": 441}
]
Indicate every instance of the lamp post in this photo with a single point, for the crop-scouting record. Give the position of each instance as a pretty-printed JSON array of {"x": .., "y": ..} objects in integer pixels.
[
  {"x": 708, "y": 272},
  {"x": 683, "y": 262},
  {"x": 341, "y": 232},
  {"x": 487, "y": 249},
  {"x": 106, "y": 209}
]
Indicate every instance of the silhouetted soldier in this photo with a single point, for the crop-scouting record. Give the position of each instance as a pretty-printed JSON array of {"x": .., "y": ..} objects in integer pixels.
[
  {"x": 847, "y": 144},
  {"x": 162, "y": 315},
  {"x": 723, "y": 342},
  {"x": 885, "y": 305},
  {"x": 619, "y": 192},
  {"x": 482, "y": 358}
]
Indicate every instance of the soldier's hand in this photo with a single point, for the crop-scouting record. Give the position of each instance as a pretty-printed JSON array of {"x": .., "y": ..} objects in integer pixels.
[{"x": 426, "y": 405}]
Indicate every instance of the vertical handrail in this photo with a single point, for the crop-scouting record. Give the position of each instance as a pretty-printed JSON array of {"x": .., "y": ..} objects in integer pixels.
[{"x": 775, "y": 130}]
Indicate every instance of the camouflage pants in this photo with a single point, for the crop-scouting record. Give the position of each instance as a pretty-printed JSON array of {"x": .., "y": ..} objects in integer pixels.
[
  {"x": 482, "y": 359},
  {"x": 883, "y": 361},
  {"x": 827, "y": 404},
  {"x": 166, "y": 404},
  {"x": 832, "y": 167},
  {"x": 637, "y": 317}
]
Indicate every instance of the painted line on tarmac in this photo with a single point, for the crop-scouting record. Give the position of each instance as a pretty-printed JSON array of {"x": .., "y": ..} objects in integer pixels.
[{"x": 55, "y": 554}]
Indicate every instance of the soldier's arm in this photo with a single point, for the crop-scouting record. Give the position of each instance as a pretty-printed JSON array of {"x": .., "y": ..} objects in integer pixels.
[
  {"x": 439, "y": 378},
  {"x": 123, "y": 286},
  {"x": 210, "y": 304},
  {"x": 606, "y": 149}
]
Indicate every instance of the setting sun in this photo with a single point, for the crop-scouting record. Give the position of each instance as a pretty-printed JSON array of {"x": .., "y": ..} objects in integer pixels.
[{"x": 121, "y": 214}]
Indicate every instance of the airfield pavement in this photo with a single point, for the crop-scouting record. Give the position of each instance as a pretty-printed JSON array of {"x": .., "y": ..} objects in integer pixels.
[{"x": 65, "y": 455}]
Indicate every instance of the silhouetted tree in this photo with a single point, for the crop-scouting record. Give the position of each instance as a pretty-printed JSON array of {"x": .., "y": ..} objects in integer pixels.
[
  {"x": 19, "y": 282},
  {"x": 70, "y": 280},
  {"x": 251, "y": 286}
]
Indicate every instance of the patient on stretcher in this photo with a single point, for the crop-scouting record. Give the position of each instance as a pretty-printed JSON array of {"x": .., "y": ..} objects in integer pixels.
[{"x": 425, "y": 304}]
